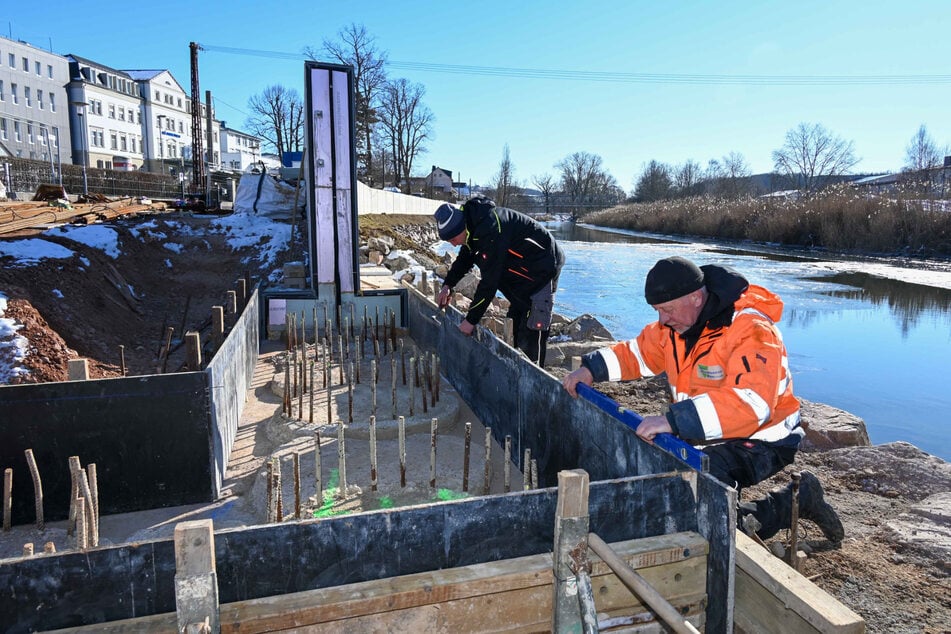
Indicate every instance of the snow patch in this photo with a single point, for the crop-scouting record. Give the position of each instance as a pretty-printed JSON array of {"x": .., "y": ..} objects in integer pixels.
[
  {"x": 101, "y": 237},
  {"x": 14, "y": 348},
  {"x": 33, "y": 251}
]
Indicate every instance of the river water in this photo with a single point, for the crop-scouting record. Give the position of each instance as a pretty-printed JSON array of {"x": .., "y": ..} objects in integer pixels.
[{"x": 871, "y": 337}]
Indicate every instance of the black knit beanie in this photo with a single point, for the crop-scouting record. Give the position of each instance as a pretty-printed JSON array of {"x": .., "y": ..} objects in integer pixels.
[{"x": 671, "y": 278}]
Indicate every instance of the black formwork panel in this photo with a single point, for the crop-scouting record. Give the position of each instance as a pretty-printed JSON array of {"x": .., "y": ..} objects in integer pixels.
[
  {"x": 108, "y": 584},
  {"x": 518, "y": 399},
  {"x": 230, "y": 373},
  {"x": 149, "y": 437}
]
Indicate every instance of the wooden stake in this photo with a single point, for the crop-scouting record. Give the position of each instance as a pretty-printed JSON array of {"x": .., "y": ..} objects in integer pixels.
[
  {"x": 81, "y": 540},
  {"x": 373, "y": 453},
  {"x": 318, "y": 484},
  {"x": 278, "y": 492},
  {"x": 342, "y": 461},
  {"x": 465, "y": 458},
  {"x": 403, "y": 360},
  {"x": 49, "y": 548},
  {"x": 165, "y": 350},
  {"x": 297, "y": 485},
  {"x": 507, "y": 469},
  {"x": 313, "y": 364},
  {"x": 534, "y": 480},
  {"x": 7, "y": 498},
  {"x": 37, "y": 488},
  {"x": 527, "y": 470},
  {"x": 488, "y": 461},
  {"x": 217, "y": 325},
  {"x": 193, "y": 350},
  {"x": 92, "y": 478},
  {"x": 270, "y": 491},
  {"x": 412, "y": 385},
  {"x": 28, "y": 549},
  {"x": 432, "y": 454},
  {"x": 571, "y": 530},
  {"x": 373, "y": 371},
  {"x": 402, "y": 437},
  {"x": 393, "y": 383}
]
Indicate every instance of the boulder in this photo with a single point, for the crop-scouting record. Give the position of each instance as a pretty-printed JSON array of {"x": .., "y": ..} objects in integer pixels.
[
  {"x": 584, "y": 328},
  {"x": 926, "y": 528},
  {"x": 383, "y": 244},
  {"x": 828, "y": 427},
  {"x": 895, "y": 470}
]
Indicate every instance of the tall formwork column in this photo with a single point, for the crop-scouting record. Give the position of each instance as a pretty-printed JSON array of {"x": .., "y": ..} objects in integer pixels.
[{"x": 331, "y": 179}]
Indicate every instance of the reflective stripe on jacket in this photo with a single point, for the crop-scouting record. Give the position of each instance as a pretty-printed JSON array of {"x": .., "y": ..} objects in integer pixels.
[{"x": 734, "y": 382}]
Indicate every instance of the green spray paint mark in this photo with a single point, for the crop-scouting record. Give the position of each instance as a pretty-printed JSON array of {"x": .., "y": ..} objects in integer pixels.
[
  {"x": 327, "y": 508},
  {"x": 447, "y": 495},
  {"x": 386, "y": 502}
]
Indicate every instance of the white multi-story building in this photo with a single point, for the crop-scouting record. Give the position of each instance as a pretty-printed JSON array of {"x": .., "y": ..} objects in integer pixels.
[
  {"x": 239, "y": 150},
  {"x": 105, "y": 113},
  {"x": 34, "y": 115},
  {"x": 167, "y": 119}
]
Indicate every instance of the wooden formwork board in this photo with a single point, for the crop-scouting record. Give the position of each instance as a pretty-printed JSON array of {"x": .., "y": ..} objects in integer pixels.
[
  {"x": 771, "y": 596},
  {"x": 512, "y": 595}
]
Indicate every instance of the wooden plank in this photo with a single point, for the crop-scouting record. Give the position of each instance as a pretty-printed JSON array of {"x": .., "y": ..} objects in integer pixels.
[
  {"x": 512, "y": 595},
  {"x": 499, "y": 592},
  {"x": 766, "y": 588}
]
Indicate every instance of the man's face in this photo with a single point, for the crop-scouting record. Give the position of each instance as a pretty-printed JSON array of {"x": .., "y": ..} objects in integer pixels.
[
  {"x": 681, "y": 313},
  {"x": 459, "y": 239}
]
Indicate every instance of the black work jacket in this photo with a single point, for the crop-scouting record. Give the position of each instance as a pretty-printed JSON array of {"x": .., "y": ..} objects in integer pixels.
[{"x": 515, "y": 255}]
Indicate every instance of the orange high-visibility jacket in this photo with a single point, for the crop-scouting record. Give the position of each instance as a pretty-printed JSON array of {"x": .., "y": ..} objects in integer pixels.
[{"x": 733, "y": 383}]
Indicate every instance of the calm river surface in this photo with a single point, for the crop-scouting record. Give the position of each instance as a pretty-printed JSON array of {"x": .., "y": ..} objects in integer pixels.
[{"x": 871, "y": 337}]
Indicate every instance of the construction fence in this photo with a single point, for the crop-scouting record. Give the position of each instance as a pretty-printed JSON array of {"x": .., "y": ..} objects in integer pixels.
[{"x": 24, "y": 176}]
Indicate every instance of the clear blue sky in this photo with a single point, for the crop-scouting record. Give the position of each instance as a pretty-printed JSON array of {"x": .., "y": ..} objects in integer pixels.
[{"x": 543, "y": 120}]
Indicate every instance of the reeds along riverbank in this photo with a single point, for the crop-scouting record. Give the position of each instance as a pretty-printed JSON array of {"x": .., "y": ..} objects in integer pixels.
[{"x": 839, "y": 218}]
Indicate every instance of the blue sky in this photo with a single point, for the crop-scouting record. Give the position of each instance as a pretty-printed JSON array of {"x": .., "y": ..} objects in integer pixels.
[{"x": 543, "y": 120}]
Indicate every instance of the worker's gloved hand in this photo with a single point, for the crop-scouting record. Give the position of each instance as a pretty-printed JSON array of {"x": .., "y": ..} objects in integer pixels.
[{"x": 444, "y": 293}]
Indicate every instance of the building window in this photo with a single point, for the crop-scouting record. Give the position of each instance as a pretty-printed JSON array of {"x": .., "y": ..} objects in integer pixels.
[
  {"x": 3, "y": 129},
  {"x": 2, "y": 98},
  {"x": 158, "y": 95},
  {"x": 39, "y": 99},
  {"x": 181, "y": 127},
  {"x": 121, "y": 114},
  {"x": 39, "y": 69},
  {"x": 112, "y": 111},
  {"x": 29, "y": 133},
  {"x": 55, "y": 139},
  {"x": 123, "y": 143},
  {"x": 13, "y": 93},
  {"x": 49, "y": 71},
  {"x": 26, "y": 65},
  {"x": 134, "y": 144},
  {"x": 132, "y": 116},
  {"x": 16, "y": 132},
  {"x": 52, "y": 102},
  {"x": 27, "y": 97},
  {"x": 13, "y": 60},
  {"x": 44, "y": 134},
  {"x": 113, "y": 141}
]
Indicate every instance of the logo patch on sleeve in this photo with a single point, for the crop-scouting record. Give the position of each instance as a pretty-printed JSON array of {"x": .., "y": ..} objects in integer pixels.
[{"x": 710, "y": 372}]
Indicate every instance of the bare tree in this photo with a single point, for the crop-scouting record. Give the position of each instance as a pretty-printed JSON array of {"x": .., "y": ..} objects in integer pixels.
[
  {"x": 406, "y": 122},
  {"x": 355, "y": 47},
  {"x": 686, "y": 178},
  {"x": 922, "y": 152},
  {"x": 654, "y": 183},
  {"x": 546, "y": 184},
  {"x": 277, "y": 116},
  {"x": 812, "y": 154},
  {"x": 585, "y": 184},
  {"x": 735, "y": 181},
  {"x": 504, "y": 180}
]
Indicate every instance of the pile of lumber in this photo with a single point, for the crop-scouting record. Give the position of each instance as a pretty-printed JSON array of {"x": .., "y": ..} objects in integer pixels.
[{"x": 41, "y": 214}]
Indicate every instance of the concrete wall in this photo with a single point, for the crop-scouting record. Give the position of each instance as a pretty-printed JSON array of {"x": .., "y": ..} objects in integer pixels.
[{"x": 377, "y": 201}]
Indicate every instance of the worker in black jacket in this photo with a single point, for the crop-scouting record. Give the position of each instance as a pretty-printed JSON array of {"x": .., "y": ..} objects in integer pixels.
[{"x": 515, "y": 255}]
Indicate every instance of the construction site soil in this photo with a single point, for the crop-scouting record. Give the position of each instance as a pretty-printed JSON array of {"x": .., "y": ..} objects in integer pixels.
[{"x": 84, "y": 308}]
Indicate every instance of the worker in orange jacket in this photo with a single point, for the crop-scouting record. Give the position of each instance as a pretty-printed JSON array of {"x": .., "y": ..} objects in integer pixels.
[{"x": 731, "y": 390}]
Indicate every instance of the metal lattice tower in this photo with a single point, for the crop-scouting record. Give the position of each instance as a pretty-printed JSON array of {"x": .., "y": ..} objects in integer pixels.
[{"x": 198, "y": 155}]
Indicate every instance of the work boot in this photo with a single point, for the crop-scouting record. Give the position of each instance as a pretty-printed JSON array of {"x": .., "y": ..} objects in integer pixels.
[
  {"x": 813, "y": 507},
  {"x": 774, "y": 512}
]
